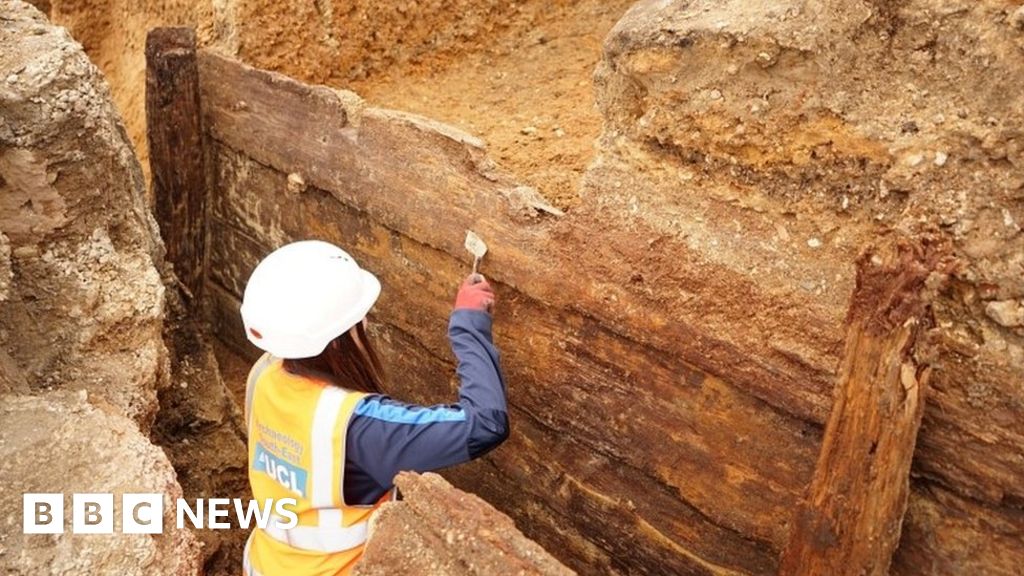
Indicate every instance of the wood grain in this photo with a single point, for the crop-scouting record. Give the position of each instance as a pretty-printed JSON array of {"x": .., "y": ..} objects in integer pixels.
[
  {"x": 849, "y": 522},
  {"x": 176, "y": 151}
]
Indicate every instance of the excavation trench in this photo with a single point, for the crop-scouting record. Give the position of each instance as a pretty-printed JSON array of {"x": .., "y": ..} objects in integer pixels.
[
  {"x": 364, "y": 177},
  {"x": 675, "y": 266},
  {"x": 538, "y": 121}
]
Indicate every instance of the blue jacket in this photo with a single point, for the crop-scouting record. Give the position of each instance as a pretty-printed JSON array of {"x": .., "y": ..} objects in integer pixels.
[{"x": 386, "y": 436}]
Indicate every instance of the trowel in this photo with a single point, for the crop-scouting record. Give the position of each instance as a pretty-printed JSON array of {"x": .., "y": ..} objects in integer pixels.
[{"x": 476, "y": 246}]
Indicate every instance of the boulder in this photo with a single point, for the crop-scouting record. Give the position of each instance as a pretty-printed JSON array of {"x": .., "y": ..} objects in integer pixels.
[
  {"x": 439, "y": 530},
  {"x": 59, "y": 443},
  {"x": 85, "y": 309}
]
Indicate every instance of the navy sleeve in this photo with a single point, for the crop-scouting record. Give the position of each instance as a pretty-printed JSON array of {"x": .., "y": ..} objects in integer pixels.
[{"x": 386, "y": 436}]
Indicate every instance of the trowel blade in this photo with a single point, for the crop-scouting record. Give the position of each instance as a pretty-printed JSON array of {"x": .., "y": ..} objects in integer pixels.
[{"x": 476, "y": 246}]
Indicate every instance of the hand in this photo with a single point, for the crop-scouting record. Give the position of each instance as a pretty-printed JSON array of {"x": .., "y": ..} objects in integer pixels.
[{"x": 475, "y": 294}]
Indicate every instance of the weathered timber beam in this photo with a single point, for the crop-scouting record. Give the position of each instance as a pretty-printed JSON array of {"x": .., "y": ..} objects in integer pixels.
[
  {"x": 569, "y": 378},
  {"x": 945, "y": 533},
  {"x": 849, "y": 520},
  {"x": 176, "y": 152},
  {"x": 430, "y": 183}
]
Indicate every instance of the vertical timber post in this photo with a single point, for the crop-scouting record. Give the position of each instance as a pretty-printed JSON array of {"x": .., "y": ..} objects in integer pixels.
[
  {"x": 850, "y": 518},
  {"x": 176, "y": 152}
]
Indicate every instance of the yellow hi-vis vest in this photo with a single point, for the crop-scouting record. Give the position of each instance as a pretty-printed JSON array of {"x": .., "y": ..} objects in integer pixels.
[{"x": 297, "y": 428}]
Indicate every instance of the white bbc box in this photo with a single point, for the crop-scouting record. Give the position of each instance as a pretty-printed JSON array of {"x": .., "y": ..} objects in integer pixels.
[{"x": 42, "y": 513}]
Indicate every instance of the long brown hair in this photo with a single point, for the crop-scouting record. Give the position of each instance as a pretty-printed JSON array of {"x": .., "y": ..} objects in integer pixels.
[{"x": 348, "y": 361}]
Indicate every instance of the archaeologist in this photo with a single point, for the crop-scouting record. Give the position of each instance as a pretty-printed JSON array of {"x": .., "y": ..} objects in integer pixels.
[{"x": 320, "y": 429}]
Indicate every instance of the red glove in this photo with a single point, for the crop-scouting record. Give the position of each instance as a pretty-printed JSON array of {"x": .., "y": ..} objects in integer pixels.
[{"x": 475, "y": 294}]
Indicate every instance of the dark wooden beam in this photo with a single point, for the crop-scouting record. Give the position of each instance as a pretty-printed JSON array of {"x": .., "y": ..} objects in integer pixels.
[
  {"x": 176, "y": 152},
  {"x": 850, "y": 518},
  {"x": 431, "y": 182}
]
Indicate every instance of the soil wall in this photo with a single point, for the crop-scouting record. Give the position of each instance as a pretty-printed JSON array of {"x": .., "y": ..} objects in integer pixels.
[
  {"x": 793, "y": 135},
  {"x": 336, "y": 43},
  {"x": 81, "y": 311}
]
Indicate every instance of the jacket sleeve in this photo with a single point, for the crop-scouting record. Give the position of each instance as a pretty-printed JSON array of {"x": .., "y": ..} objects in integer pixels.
[{"x": 386, "y": 436}]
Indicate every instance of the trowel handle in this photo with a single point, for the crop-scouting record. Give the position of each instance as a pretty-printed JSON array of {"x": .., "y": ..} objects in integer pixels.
[{"x": 476, "y": 263}]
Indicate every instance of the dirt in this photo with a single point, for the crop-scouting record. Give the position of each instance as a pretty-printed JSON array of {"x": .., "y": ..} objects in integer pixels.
[
  {"x": 63, "y": 442},
  {"x": 528, "y": 92},
  {"x": 439, "y": 530},
  {"x": 234, "y": 370},
  {"x": 517, "y": 75},
  {"x": 113, "y": 34}
]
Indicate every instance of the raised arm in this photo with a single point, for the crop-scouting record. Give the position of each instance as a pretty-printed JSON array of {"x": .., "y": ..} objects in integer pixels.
[{"x": 387, "y": 436}]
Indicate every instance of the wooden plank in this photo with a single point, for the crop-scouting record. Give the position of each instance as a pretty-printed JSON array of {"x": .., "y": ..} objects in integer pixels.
[
  {"x": 418, "y": 375},
  {"x": 221, "y": 311},
  {"x": 849, "y": 521},
  {"x": 431, "y": 183},
  {"x": 233, "y": 255},
  {"x": 946, "y": 533},
  {"x": 176, "y": 151},
  {"x": 721, "y": 471}
]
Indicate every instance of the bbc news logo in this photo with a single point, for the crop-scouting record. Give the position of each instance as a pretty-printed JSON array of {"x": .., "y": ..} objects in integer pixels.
[{"x": 144, "y": 513}]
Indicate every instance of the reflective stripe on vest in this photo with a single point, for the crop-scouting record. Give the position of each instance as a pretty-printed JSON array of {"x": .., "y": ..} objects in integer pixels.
[
  {"x": 328, "y": 539},
  {"x": 250, "y": 385},
  {"x": 324, "y": 462},
  {"x": 247, "y": 568},
  {"x": 330, "y": 536}
]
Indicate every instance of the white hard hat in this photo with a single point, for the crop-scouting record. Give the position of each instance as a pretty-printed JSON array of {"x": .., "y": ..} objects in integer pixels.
[{"x": 302, "y": 296}]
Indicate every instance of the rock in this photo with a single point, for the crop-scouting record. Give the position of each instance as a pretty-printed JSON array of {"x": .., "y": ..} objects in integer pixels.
[
  {"x": 61, "y": 444},
  {"x": 6, "y": 275},
  {"x": 296, "y": 183},
  {"x": 1017, "y": 18},
  {"x": 438, "y": 530},
  {"x": 86, "y": 309},
  {"x": 1008, "y": 313},
  {"x": 83, "y": 316}
]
